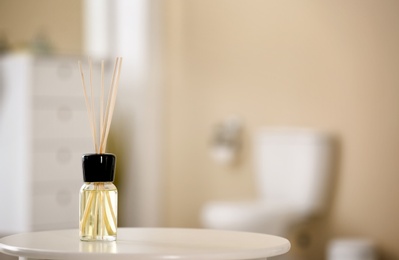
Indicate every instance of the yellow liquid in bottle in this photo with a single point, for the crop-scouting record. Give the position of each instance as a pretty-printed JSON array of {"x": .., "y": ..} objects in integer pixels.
[{"x": 98, "y": 212}]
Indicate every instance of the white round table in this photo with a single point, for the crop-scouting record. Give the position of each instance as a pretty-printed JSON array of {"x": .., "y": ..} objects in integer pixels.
[{"x": 146, "y": 244}]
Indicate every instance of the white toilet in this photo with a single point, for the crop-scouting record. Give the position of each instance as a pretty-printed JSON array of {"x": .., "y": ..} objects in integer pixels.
[{"x": 292, "y": 175}]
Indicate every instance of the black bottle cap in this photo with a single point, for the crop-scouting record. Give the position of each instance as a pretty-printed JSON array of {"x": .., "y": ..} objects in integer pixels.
[{"x": 98, "y": 167}]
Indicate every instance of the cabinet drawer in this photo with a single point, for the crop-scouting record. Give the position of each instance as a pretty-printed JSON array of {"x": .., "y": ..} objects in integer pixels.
[
  {"x": 55, "y": 203},
  {"x": 62, "y": 122},
  {"x": 62, "y": 77},
  {"x": 61, "y": 165},
  {"x": 59, "y": 159},
  {"x": 56, "y": 77}
]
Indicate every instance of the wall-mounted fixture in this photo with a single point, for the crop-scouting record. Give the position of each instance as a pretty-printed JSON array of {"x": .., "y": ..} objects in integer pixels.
[{"x": 226, "y": 140}]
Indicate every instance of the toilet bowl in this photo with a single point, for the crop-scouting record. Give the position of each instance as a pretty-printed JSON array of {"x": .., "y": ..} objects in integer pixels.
[{"x": 292, "y": 168}]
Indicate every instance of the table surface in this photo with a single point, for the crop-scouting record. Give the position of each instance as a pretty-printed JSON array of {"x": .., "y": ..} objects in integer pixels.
[{"x": 147, "y": 243}]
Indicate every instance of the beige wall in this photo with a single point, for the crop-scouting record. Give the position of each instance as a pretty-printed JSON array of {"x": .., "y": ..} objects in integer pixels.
[
  {"x": 61, "y": 21},
  {"x": 293, "y": 63},
  {"x": 329, "y": 65}
]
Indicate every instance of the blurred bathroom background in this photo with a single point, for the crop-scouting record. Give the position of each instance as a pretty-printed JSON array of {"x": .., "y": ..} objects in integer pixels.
[{"x": 199, "y": 79}]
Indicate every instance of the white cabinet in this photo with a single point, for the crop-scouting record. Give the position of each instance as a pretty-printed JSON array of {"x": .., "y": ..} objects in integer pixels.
[{"x": 44, "y": 131}]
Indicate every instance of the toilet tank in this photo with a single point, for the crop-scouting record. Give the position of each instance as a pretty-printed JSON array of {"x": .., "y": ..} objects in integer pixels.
[{"x": 292, "y": 167}]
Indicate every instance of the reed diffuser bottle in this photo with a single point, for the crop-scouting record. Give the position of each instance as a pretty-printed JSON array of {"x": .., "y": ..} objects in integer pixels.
[
  {"x": 98, "y": 198},
  {"x": 98, "y": 210}
]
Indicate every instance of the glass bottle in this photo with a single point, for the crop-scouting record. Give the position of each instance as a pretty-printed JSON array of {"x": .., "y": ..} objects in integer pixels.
[{"x": 98, "y": 199}]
